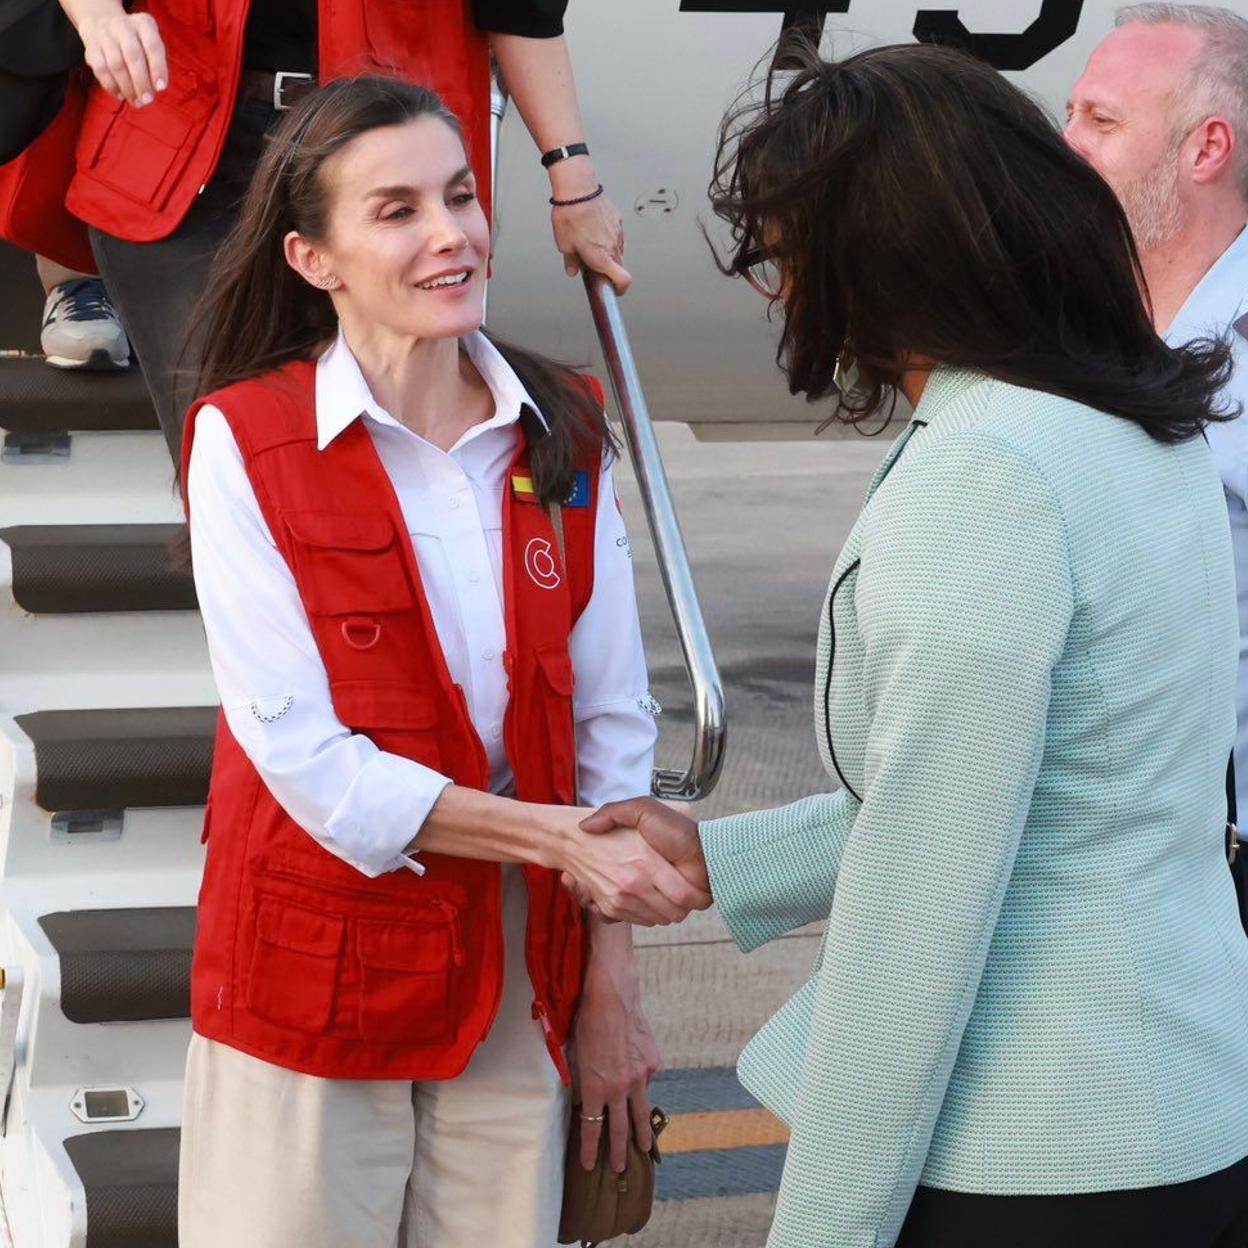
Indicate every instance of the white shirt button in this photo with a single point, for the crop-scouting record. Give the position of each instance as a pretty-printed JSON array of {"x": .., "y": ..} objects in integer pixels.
[
  {"x": 453, "y": 503},
  {"x": 488, "y": 654},
  {"x": 474, "y": 576},
  {"x": 496, "y": 731}
]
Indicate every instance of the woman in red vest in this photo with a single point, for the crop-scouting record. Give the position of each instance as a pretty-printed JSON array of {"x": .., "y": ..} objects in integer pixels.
[
  {"x": 418, "y": 598},
  {"x": 186, "y": 90}
]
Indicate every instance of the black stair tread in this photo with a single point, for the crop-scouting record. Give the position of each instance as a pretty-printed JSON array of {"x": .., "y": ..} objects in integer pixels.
[
  {"x": 113, "y": 759},
  {"x": 36, "y": 398},
  {"x": 130, "y": 1178},
  {"x": 121, "y": 966},
  {"x": 65, "y": 568}
]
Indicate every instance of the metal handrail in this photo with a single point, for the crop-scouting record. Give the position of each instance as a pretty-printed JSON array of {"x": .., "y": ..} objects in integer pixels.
[
  {"x": 708, "y": 692},
  {"x": 700, "y": 777}
]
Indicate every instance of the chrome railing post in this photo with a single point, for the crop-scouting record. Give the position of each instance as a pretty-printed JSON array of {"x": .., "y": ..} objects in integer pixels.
[
  {"x": 499, "y": 99},
  {"x": 643, "y": 447}
]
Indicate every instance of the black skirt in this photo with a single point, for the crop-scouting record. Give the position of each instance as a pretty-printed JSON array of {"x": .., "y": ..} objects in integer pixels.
[{"x": 1205, "y": 1213}]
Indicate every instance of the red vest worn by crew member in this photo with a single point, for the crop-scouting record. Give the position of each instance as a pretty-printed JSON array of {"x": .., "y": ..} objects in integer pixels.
[
  {"x": 139, "y": 169},
  {"x": 300, "y": 959}
]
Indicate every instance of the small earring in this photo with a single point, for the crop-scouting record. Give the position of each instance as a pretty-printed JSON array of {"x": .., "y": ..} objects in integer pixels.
[{"x": 327, "y": 282}]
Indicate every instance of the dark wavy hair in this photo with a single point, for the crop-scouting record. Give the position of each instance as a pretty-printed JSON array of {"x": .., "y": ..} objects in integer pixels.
[
  {"x": 921, "y": 207},
  {"x": 257, "y": 313}
]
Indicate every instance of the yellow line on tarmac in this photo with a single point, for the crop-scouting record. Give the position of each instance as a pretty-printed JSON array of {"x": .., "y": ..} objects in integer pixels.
[{"x": 732, "y": 1128}]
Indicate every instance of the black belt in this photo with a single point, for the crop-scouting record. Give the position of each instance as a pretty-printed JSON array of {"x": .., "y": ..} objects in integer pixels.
[{"x": 280, "y": 90}]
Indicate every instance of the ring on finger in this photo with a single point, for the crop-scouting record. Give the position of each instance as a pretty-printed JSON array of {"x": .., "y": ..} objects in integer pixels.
[{"x": 593, "y": 1117}]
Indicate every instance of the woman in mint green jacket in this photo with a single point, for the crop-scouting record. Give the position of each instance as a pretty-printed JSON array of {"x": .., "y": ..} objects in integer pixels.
[{"x": 1028, "y": 1021}]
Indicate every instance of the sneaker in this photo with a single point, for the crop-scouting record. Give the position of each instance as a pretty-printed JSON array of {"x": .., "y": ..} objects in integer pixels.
[{"x": 81, "y": 329}]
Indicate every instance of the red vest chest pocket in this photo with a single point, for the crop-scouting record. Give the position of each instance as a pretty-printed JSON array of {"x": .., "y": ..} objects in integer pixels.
[
  {"x": 348, "y": 564},
  {"x": 557, "y": 684},
  {"x": 294, "y": 968},
  {"x": 407, "y": 974}
]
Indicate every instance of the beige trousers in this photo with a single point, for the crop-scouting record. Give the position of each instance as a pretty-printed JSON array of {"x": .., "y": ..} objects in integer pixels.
[{"x": 276, "y": 1159}]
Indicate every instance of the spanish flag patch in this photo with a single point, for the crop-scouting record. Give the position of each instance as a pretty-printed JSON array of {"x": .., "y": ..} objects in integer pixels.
[{"x": 522, "y": 488}]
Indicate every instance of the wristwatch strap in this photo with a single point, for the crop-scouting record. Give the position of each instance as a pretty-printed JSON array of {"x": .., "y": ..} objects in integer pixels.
[{"x": 556, "y": 154}]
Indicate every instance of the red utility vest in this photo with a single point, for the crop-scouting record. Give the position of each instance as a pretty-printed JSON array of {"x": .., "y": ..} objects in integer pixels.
[
  {"x": 300, "y": 959},
  {"x": 139, "y": 170}
]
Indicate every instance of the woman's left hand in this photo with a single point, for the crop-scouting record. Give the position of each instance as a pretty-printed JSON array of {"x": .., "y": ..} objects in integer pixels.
[
  {"x": 592, "y": 234},
  {"x": 614, "y": 1054}
]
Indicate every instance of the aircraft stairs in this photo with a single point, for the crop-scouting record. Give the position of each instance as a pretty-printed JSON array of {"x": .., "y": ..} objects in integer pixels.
[{"x": 107, "y": 711}]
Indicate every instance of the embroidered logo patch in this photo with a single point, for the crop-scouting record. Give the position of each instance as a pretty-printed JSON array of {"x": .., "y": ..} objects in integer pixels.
[{"x": 539, "y": 562}]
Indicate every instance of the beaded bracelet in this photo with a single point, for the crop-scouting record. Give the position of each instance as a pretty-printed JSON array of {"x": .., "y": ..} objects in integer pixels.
[{"x": 582, "y": 199}]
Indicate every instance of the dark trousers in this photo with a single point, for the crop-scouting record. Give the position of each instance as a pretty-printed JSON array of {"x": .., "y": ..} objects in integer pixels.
[
  {"x": 155, "y": 286},
  {"x": 1206, "y": 1213}
]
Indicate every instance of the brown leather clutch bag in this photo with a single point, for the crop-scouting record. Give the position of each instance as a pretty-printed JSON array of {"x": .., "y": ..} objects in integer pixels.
[{"x": 599, "y": 1204}]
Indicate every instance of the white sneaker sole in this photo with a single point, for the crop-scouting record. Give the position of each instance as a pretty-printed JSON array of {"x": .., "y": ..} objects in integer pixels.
[{"x": 99, "y": 361}]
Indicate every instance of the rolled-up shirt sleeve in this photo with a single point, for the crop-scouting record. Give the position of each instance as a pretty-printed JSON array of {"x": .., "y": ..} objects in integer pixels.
[
  {"x": 359, "y": 802},
  {"x": 614, "y": 712},
  {"x": 536, "y": 19}
]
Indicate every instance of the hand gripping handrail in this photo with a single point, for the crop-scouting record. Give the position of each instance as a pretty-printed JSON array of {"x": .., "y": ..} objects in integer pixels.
[{"x": 643, "y": 448}]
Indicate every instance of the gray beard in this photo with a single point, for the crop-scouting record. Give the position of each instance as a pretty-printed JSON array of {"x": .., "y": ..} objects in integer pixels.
[{"x": 1151, "y": 202}]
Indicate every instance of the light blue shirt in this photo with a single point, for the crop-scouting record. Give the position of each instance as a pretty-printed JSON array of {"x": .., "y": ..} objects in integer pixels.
[{"x": 1212, "y": 310}]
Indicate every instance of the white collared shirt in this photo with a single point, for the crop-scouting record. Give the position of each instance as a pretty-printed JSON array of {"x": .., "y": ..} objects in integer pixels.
[{"x": 359, "y": 802}]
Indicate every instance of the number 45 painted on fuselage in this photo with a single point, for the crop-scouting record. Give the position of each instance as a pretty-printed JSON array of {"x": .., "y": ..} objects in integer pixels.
[{"x": 1057, "y": 21}]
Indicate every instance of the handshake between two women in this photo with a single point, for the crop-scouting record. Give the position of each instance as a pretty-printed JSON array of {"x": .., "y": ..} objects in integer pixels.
[{"x": 638, "y": 861}]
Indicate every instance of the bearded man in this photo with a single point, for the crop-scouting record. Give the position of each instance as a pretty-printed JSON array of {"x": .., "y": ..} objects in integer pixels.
[{"x": 1161, "y": 112}]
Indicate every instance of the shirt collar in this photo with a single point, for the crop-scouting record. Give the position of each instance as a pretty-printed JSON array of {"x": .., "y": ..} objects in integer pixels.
[
  {"x": 343, "y": 396},
  {"x": 1217, "y": 298}
]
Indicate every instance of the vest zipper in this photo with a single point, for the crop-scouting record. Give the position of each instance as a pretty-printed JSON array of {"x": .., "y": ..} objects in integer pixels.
[
  {"x": 447, "y": 908},
  {"x": 552, "y": 1044}
]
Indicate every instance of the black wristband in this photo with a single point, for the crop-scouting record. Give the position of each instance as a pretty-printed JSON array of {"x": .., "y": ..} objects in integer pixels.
[
  {"x": 556, "y": 154},
  {"x": 580, "y": 199}
]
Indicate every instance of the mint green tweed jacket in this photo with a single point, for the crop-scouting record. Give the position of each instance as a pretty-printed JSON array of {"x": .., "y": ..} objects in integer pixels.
[{"x": 1033, "y": 978}]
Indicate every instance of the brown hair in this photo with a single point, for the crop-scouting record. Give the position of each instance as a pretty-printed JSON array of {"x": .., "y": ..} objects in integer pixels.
[
  {"x": 921, "y": 206},
  {"x": 257, "y": 313}
]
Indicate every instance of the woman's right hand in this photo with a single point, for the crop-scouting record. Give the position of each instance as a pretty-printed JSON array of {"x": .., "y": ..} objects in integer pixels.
[
  {"x": 124, "y": 50},
  {"x": 625, "y": 879}
]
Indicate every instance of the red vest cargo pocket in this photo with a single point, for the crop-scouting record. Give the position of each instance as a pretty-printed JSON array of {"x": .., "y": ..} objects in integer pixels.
[
  {"x": 140, "y": 153},
  {"x": 407, "y": 971},
  {"x": 294, "y": 969},
  {"x": 348, "y": 564},
  {"x": 401, "y": 719}
]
